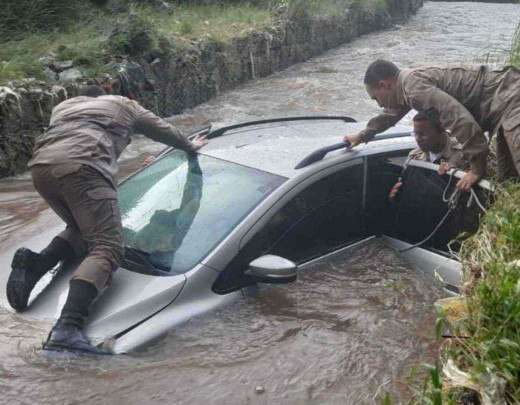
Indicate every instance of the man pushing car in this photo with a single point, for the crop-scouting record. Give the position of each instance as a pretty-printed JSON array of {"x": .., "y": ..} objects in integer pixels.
[{"x": 73, "y": 169}]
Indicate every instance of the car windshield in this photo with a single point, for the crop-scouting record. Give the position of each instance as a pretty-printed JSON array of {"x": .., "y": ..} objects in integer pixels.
[{"x": 175, "y": 211}]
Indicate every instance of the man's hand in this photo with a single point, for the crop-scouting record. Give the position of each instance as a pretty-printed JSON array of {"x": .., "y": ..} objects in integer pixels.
[
  {"x": 395, "y": 189},
  {"x": 147, "y": 161},
  {"x": 443, "y": 168},
  {"x": 198, "y": 142},
  {"x": 354, "y": 140},
  {"x": 467, "y": 181}
]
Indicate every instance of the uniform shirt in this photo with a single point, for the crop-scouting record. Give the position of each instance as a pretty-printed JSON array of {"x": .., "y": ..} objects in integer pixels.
[
  {"x": 469, "y": 101},
  {"x": 451, "y": 154},
  {"x": 95, "y": 131},
  {"x": 434, "y": 156}
]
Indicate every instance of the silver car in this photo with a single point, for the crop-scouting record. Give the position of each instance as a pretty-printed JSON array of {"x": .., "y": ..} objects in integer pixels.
[{"x": 260, "y": 202}]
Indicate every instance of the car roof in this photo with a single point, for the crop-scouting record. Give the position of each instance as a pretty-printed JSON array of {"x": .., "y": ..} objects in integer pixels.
[{"x": 278, "y": 147}]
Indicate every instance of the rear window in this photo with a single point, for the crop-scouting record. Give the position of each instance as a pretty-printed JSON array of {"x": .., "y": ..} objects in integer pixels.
[{"x": 177, "y": 210}]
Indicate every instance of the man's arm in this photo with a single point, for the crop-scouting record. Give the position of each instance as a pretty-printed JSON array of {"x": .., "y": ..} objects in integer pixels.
[
  {"x": 456, "y": 118},
  {"x": 154, "y": 127},
  {"x": 380, "y": 123}
]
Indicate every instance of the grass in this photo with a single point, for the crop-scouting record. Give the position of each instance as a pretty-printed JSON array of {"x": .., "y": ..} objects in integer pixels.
[
  {"x": 18, "y": 17},
  {"x": 328, "y": 8},
  {"x": 86, "y": 43},
  {"x": 492, "y": 258},
  {"x": 20, "y": 58},
  {"x": 220, "y": 22},
  {"x": 515, "y": 48},
  {"x": 318, "y": 7},
  {"x": 490, "y": 352},
  {"x": 89, "y": 43}
]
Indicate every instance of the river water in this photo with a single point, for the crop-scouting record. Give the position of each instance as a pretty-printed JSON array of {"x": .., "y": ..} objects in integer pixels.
[{"x": 350, "y": 328}]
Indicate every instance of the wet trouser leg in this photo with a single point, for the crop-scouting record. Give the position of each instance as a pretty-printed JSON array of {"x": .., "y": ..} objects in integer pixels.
[
  {"x": 508, "y": 153},
  {"x": 28, "y": 267},
  {"x": 46, "y": 182},
  {"x": 87, "y": 202},
  {"x": 96, "y": 213}
]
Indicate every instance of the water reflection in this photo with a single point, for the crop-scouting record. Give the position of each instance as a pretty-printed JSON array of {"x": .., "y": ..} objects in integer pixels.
[{"x": 157, "y": 237}]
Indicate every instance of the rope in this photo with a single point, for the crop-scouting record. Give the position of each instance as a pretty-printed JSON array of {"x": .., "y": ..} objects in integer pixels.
[
  {"x": 452, "y": 201},
  {"x": 430, "y": 235},
  {"x": 474, "y": 198},
  {"x": 454, "y": 194}
]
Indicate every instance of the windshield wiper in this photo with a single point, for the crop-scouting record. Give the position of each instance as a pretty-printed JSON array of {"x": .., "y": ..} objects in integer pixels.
[{"x": 138, "y": 256}]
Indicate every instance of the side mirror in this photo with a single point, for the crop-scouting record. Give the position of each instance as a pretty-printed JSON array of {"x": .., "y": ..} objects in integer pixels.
[{"x": 272, "y": 270}]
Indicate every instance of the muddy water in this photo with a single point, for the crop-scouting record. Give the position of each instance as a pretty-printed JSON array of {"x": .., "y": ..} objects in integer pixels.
[{"x": 349, "y": 329}]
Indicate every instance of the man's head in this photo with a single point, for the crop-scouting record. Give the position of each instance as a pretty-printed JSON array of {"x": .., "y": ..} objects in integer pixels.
[
  {"x": 381, "y": 81},
  {"x": 93, "y": 91},
  {"x": 429, "y": 134}
]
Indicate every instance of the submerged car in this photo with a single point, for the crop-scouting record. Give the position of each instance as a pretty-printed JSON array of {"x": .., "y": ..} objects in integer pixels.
[{"x": 260, "y": 202}]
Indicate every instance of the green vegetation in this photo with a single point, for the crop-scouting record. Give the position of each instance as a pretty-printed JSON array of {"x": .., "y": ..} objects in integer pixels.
[
  {"x": 20, "y": 16},
  {"x": 220, "y": 22},
  {"x": 489, "y": 347},
  {"x": 515, "y": 48},
  {"x": 91, "y": 40},
  {"x": 329, "y": 8},
  {"x": 20, "y": 58},
  {"x": 316, "y": 7},
  {"x": 492, "y": 257},
  {"x": 92, "y": 33}
]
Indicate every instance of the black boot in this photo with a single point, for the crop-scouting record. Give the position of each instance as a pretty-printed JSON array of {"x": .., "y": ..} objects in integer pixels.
[
  {"x": 28, "y": 267},
  {"x": 67, "y": 334},
  {"x": 70, "y": 338}
]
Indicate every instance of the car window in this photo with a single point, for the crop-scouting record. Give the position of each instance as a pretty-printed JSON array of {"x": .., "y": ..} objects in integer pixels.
[
  {"x": 323, "y": 217},
  {"x": 179, "y": 208},
  {"x": 422, "y": 192},
  {"x": 383, "y": 172}
]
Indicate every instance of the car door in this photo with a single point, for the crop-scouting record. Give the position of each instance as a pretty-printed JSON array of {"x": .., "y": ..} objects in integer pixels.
[
  {"x": 383, "y": 172},
  {"x": 420, "y": 208},
  {"x": 323, "y": 216}
]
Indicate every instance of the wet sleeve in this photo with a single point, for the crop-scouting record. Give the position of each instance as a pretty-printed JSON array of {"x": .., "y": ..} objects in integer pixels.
[
  {"x": 454, "y": 117},
  {"x": 387, "y": 119},
  {"x": 154, "y": 127}
]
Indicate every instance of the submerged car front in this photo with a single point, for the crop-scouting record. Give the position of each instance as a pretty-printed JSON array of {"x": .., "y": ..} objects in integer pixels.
[{"x": 174, "y": 213}]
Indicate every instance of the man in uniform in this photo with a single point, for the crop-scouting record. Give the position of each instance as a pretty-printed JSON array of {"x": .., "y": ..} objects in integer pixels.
[
  {"x": 469, "y": 102},
  {"x": 73, "y": 169},
  {"x": 434, "y": 145}
]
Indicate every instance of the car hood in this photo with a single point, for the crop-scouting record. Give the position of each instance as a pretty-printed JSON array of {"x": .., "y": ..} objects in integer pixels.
[{"x": 130, "y": 299}]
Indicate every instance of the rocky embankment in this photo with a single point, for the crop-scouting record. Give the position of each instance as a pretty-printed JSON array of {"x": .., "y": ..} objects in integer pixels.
[{"x": 170, "y": 80}]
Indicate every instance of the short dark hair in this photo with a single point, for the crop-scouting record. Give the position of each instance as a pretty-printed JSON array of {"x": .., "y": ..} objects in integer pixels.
[
  {"x": 92, "y": 90},
  {"x": 432, "y": 116},
  {"x": 380, "y": 70}
]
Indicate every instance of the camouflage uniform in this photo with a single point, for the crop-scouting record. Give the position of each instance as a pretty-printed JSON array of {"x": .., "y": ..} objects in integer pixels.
[
  {"x": 469, "y": 102},
  {"x": 73, "y": 168}
]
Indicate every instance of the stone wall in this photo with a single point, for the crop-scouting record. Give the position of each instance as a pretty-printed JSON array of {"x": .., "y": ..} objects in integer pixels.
[{"x": 192, "y": 75}]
